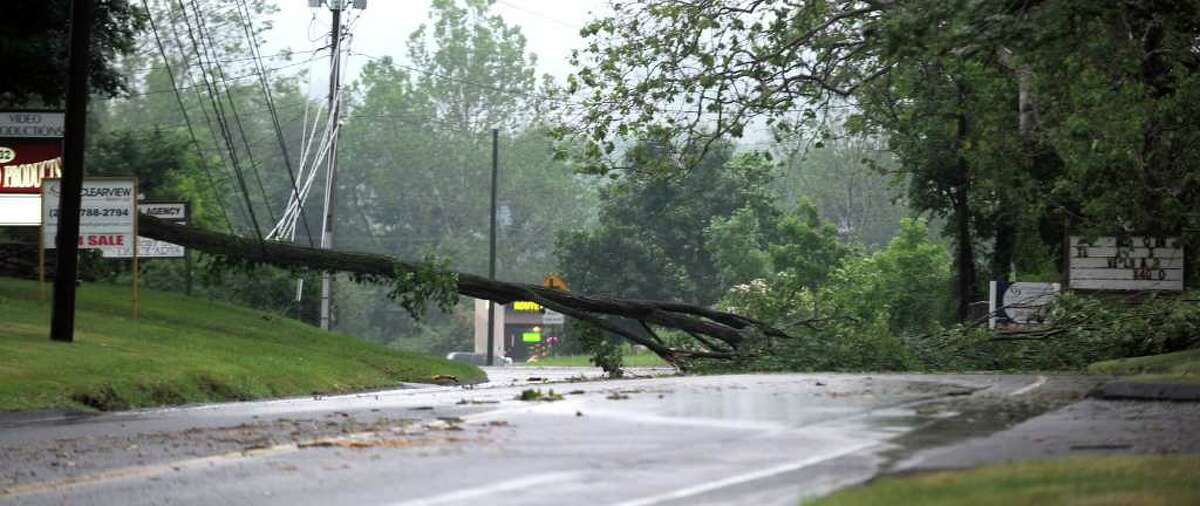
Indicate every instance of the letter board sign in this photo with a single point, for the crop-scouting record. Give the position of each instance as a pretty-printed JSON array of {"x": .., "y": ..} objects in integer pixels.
[{"x": 1136, "y": 263}]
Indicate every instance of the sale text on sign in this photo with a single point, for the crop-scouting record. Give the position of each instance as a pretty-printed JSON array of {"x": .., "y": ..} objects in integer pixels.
[{"x": 106, "y": 213}]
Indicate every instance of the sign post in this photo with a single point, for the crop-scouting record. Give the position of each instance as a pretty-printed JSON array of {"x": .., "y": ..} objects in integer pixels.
[
  {"x": 106, "y": 218},
  {"x": 143, "y": 247},
  {"x": 187, "y": 257},
  {"x": 135, "y": 262},
  {"x": 42, "y": 263}
]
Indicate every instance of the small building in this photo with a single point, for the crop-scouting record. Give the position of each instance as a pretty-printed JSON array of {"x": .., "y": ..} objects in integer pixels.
[{"x": 523, "y": 329}]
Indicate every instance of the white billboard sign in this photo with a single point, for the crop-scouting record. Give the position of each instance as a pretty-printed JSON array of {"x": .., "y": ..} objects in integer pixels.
[
  {"x": 1139, "y": 263},
  {"x": 106, "y": 212},
  {"x": 151, "y": 248},
  {"x": 18, "y": 210},
  {"x": 1020, "y": 303}
]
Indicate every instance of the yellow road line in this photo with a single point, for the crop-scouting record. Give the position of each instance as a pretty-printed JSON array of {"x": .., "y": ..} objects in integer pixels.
[{"x": 147, "y": 471}]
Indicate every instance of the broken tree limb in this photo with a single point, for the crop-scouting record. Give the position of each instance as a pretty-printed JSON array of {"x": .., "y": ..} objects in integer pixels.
[{"x": 729, "y": 329}]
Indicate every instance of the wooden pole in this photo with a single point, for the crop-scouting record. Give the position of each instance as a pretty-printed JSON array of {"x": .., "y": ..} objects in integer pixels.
[
  {"x": 135, "y": 277},
  {"x": 491, "y": 321},
  {"x": 42, "y": 261},
  {"x": 136, "y": 271},
  {"x": 62, "y": 321},
  {"x": 187, "y": 253}
]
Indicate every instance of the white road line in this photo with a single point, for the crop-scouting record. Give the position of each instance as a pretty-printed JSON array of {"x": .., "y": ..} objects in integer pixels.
[
  {"x": 461, "y": 496},
  {"x": 1041, "y": 380},
  {"x": 745, "y": 478}
]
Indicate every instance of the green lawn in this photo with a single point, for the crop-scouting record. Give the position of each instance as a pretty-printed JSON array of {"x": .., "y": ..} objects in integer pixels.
[
  {"x": 1092, "y": 481},
  {"x": 181, "y": 350},
  {"x": 632, "y": 360},
  {"x": 1169, "y": 367}
]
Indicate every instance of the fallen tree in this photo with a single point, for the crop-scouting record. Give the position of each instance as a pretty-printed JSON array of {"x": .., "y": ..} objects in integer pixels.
[{"x": 715, "y": 334}]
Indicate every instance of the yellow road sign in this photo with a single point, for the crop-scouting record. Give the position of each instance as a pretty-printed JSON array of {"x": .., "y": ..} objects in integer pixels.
[{"x": 554, "y": 281}]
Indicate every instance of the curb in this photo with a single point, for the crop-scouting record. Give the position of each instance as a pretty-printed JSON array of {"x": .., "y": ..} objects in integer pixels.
[
  {"x": 1146, "y": 391},
  {"x": 11, "y": 419}
]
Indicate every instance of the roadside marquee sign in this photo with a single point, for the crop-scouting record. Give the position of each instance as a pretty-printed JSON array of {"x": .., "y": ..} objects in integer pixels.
[{"x": 1133, "y": 263}]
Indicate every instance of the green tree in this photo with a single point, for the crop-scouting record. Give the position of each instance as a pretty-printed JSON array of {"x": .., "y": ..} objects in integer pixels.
[
  {"x": 1008, "y": 118},
  {"x": 906, "y": 281},
  {"x": 654, "y": 223},
  {"x": 798, "y": 244},
  {"x": 854, "y": 182},
  {"x": 34, "y": 40}
]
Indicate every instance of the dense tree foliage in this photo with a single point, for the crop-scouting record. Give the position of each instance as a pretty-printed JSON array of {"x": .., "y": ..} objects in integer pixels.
[
  {"x": 1008, "y": 119},
  {"x": 35, "y": 39},
  {"x": 650, "y": 241}
]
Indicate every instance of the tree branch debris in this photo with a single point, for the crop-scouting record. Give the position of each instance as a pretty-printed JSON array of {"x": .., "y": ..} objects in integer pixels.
[{"x": 726, "y": 331}]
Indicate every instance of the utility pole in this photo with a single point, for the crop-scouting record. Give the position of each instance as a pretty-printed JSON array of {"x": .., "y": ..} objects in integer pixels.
[
  {"x": 62, "y": 323},
  {"x": 491, "y": 327},
  {"x": 335, "y": 70}
]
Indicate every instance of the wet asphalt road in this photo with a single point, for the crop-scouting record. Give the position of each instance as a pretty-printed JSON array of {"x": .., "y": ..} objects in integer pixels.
[{"x": 748, "y": 439}]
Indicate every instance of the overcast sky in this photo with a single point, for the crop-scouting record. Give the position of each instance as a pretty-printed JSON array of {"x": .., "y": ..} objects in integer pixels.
[{"x": 551, "y": 27}]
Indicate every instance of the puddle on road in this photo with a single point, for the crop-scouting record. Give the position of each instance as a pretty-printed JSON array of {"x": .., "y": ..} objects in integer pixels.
[
  {"x": 881, "y": 410},
  {"x": 791, "y": 403},
  {"x": 789, "y": 409},
  {"x": 944, "y": 422}
]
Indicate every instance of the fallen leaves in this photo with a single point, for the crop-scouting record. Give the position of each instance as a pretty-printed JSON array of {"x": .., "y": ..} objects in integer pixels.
[
  {"x": 536, "y": 394},
  {"x": 444, "y": 379},
  {"x": 360, "y": 443}
]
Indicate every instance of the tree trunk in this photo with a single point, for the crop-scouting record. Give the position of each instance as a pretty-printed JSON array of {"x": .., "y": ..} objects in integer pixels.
[
  {"x": 965, "y": 257},
  {"x": 962, "y": 216},
  {"x": 727, "y": 331},
  {"x": 1004, "y": 246}
]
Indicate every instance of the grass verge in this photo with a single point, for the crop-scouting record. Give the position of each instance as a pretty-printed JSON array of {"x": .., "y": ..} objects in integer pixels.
[
  {"x": 634, "y": 360},
  {"x": 1180, "y": 366},
  {"x": 183, "y": 350},
  {"x": 1125, "y": 480}
]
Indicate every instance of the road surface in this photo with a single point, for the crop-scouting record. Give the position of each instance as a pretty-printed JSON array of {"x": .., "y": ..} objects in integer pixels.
[{"x": 743, "y": 439}]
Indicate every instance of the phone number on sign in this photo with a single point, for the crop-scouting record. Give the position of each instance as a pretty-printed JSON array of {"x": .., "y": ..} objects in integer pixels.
[{"x": 96, "y": 213}]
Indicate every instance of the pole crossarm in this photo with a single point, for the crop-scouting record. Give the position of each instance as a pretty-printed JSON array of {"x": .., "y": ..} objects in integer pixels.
[{"x": 730, "y": 329}]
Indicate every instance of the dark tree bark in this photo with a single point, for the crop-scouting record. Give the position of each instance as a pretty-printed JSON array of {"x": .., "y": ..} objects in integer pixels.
[
  {"x": 965, "y": 261},
  {"x": 727, "y": 332}
]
